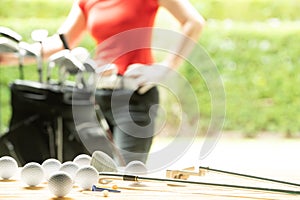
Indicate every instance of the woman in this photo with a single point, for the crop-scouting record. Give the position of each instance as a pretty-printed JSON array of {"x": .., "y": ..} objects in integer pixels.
[{"x": 116, "y": 25}]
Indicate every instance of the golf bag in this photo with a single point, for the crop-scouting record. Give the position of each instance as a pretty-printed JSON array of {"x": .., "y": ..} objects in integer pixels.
[{"x": 42, "y": 124}]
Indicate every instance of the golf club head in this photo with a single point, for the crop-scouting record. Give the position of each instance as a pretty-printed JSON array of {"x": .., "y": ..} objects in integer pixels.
[
  {"x": 57, "y": 59},
  {"x": 67, "y": 64},
  {"x": 8, "y": 46},
  {"x": 27, "y": 50},
  {"x": 72, "y": 64},
  {"x": 81, "y": 54},
  {"x": 39, "y": 35},
  {"x": 90, "y": 65},
  {"x": 10, "y": 34},
  {"x": 71, "y": 60}
]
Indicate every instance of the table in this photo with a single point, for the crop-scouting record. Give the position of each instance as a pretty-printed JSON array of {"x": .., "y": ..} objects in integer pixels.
[{"x": 15, "y": 189}]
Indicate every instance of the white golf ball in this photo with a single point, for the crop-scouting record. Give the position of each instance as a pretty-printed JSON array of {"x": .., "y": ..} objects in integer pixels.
[
  {"x": 60, "y": 183},
  {"x": 70, "y": 168},
  {"x": 82, "y": 160},
  {"x": 86, "y": 177},
  {"x": 50, "y": 166},
  {"x": 136, "y": 168},
  {"x": 32, "y": 174},
  {"x": 8, "y": 167}
]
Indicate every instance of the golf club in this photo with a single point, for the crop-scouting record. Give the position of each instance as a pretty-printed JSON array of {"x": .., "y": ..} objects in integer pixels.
[
  {"x": 38, "y": 36},
  {"x": 10, "y": 34},
  {"x": 106, "y": 177},
  {"x": 67, "y": 62},
  {"x": 10, "y": 44},
  {"x": 248, "y": 176}
]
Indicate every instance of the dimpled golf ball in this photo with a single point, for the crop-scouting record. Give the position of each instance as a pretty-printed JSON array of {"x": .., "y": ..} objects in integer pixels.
[
  {"x": 50, "y": 166},
  {"x": 32, "y": 174},
  {"x": 136, "y": 168},
  {"x": 70, "y": 168},
  {"x": 60, "y": 183},
  {"x": 86, "y": 177},
  {"x": 82, "y": 160},
  {"x": 8, "y": 167}
]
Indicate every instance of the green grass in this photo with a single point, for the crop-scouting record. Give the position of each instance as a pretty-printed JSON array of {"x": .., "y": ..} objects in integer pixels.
[
  {"x": 16, "y": 24},
  {"x": 249, "y": 10},
  {"x": 34, "y": 8},
  {"x": 254, "y": 44},
  {"x": 241, "y": 10},
  {"x": 258, "y": 63},
  {"x": 259, "y": 66}
]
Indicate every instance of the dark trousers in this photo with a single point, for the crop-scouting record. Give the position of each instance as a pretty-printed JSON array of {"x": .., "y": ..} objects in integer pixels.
[{"x": 131, "y": 118}]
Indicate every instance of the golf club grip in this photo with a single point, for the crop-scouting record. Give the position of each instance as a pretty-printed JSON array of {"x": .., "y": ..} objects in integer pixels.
[{"x": 130, "y": 178}]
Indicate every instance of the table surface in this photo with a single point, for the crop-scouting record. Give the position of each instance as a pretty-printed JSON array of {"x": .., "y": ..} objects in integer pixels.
[
  {"x": 270, "y": 157},
  {"x": 15, "y": 189}
]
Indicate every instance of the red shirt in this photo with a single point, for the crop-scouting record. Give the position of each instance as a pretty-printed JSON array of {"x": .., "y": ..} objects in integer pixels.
[{"x": 122, "y": 30}]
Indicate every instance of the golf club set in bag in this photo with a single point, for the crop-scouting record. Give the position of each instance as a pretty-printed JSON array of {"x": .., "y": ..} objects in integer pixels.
[{"x": 42, "y": 123}]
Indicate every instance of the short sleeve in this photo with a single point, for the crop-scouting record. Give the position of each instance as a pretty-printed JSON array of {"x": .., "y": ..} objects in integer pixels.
[{"x": 81, "y": 4}]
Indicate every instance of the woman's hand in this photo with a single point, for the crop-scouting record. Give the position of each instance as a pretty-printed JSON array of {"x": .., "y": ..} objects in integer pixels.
[{"x": 147, "y": 76}]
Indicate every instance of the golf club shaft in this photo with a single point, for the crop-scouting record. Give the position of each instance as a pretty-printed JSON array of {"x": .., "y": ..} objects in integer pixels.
[
  {"x": 114, "y": 176},
  {"x": 21, "y": 66},
  {"x": 250, "y": 176},
  {"x": 40, "y": 63},
  {"x": 109, "y": 135}
]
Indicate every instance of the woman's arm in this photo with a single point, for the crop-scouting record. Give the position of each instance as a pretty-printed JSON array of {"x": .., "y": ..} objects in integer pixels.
[
  {"x": 72, "y": 29},
  {"x": 191, "y": 27}
]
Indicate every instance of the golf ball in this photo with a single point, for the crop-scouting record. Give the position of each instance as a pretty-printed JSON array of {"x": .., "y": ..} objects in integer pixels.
[
  {"x": 32, "y": 174},
  {"x": 86, "y": 177},
  {"x": 50, "y": 166},
  {"x": 8, "y": 167},
  {"x": 82, "y": 160},
  {"x": 136, "y": 168},
  {"x": 70, "y": 168},
  {"x": 60, "y": 183}
]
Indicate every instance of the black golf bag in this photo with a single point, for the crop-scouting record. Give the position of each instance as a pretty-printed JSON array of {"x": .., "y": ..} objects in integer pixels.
[{"x": 43, "y": 126}]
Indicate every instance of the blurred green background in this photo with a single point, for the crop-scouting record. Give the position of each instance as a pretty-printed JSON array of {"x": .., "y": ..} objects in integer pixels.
[{"x": 254, "y": 44}]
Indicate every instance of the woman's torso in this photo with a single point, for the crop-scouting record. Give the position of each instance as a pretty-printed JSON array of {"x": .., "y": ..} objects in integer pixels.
[{"x": 122, "y": 30}]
